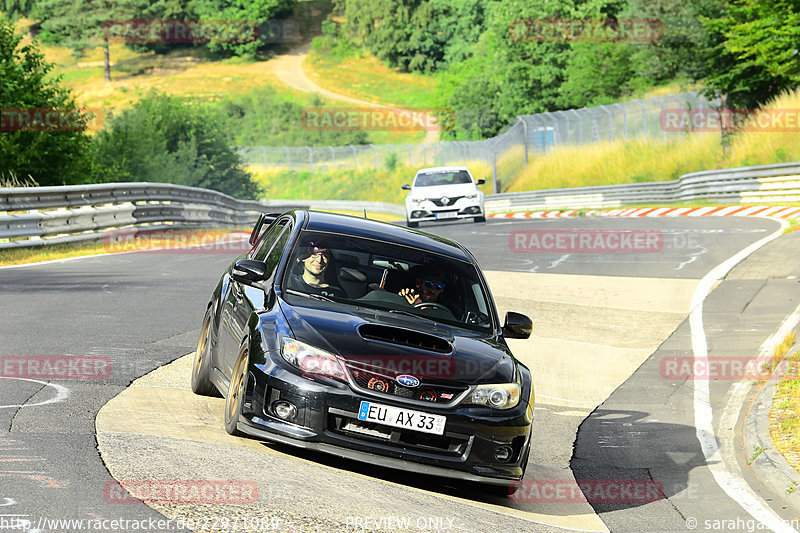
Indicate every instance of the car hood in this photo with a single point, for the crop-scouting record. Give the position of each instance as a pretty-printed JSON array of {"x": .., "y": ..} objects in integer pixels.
[
  {"x": 451, "y": 191},
  {"x": 394, "y": 344}
]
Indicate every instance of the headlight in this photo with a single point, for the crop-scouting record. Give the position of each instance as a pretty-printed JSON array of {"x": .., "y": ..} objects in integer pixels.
[
  {"x": 472, "y": 196},
  {"x": 500, "y": 396},
  {"x": 311, "y": 361}
]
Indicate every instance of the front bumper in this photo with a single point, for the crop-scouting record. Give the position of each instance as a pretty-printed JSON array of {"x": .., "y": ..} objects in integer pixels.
[
  {"x": 326, "y": 421},
  {"x": 427, "y": 211}
]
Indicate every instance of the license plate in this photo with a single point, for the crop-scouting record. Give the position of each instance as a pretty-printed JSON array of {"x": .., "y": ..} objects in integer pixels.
[
  {"x": 451, "y": 214},
  {"x": 401, "y": 418}
]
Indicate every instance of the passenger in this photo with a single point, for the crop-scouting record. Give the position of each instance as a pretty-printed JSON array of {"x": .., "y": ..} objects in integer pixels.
[{"x": 315, "y": 260}]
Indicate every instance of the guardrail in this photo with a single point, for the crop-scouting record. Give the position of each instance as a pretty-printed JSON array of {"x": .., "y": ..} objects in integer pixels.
[
  {"x": 766, "y": 183},
  {"x": 33, "y": 216}
]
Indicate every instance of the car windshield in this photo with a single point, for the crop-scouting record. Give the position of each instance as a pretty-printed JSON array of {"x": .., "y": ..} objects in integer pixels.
[
  {"x": 434, "y": 179},
  {"x": 399, "y": 279}
]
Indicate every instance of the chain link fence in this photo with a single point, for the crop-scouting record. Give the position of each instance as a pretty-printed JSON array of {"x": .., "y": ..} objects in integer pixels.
[{"x": 507, "y": 153}]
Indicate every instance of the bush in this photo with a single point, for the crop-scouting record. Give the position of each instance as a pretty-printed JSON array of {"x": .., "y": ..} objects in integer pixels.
[{"x": 164, "y": 139}]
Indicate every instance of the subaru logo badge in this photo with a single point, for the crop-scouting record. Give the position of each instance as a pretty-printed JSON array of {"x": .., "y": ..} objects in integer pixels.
[
  {"x": 445, "y": 200},
  {"x": 408, "y": 381}
]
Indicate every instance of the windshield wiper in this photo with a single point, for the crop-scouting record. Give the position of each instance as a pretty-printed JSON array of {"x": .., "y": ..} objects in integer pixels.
[
  {"x": 309, "y": 295},
  {"x": 400, "y": 311}
]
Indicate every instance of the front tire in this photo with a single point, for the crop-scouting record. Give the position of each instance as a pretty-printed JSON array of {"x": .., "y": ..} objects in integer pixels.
[
  {"x": 412, "y": 224},
  {"x": 234, "y": 400},
  {"x": 480, "y": 219},
  {"x": 201, "y": 368}
]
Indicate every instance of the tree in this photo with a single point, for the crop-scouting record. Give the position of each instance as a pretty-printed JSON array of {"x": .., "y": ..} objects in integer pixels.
[
  {"x": 233, "y": 11},
  {"x": 752, "y": 50},
  {"x": 80, "y": 24},
  {"x": 164, "y": 139},
  {"x": 14, "y": 9},
  {"x": 42, "y": 130}
]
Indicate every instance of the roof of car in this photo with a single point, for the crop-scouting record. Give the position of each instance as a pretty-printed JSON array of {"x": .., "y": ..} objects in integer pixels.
[
  {"x": 401, "y": 235},
  {"x": 441, "y": 169}
]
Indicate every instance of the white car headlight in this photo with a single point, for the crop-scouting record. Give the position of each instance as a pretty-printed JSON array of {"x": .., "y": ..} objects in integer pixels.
[
  {"x": 311, "y": 361},
  {"x": 498, "y": 396}
]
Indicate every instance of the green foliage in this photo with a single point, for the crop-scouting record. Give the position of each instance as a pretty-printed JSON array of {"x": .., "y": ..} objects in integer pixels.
[
  {"x": 232, "y": 10},
  {"x": 49, "y": 156},
  {"x": 78, "y": 25},
  {"x": 390, "y": 162},
  {"x": 597, "y": 74},
  {"x": 14, "y": 9},
  {"x": 262, "y": 118},
  {"x": 163, "y": 139},
  {"x": 751, "y": 53},
  {"x": 415, "y": 35}
]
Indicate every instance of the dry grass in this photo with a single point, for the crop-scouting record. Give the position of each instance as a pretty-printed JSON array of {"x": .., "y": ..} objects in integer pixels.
[
  {"x": 652, "y": 160},
  {"x": 784, "y": 416},
  {"x": 366, "y": 78},
  {"x": 618, "y": 162}
]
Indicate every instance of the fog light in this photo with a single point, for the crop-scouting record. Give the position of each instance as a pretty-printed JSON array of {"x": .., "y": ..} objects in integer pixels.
[
  {"x": 284, "y": 410},
  {"x": 503, "y": 453}
]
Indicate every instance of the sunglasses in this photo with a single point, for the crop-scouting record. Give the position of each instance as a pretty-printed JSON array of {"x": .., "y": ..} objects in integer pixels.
[{"x": 440, "y": 285}]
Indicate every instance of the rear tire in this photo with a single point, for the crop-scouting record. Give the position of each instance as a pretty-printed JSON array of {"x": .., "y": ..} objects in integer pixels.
[
  {"x": 234, "y": 400},
  {"x": 201, "y": 368}
]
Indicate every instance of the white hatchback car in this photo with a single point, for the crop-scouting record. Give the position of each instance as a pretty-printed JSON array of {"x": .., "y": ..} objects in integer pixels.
[{"x": 443, "y": 193}]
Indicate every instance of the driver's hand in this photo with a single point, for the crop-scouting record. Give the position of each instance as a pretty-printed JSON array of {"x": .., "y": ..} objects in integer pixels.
[{"x": 410, "y": 295}]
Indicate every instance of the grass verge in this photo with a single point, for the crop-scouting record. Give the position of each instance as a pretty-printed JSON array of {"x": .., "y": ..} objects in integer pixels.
[{"x": 784, "y": 415}]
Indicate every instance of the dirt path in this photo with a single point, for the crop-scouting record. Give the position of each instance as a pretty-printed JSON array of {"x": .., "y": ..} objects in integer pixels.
[{"x": 288, "y": 69}]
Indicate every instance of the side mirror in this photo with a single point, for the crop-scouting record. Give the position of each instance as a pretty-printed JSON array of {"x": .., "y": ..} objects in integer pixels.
[
  {"x": 406, "y": 187},
  {"x": 249, "y": 271},
  {"x": 517, "y": 326},
  {"x": 481, "y": 181}
]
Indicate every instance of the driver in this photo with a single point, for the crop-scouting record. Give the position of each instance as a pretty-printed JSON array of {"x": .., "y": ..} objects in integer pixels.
[
  {"x": 316, "y": 259},
  {"x": 428, "y": 286}
]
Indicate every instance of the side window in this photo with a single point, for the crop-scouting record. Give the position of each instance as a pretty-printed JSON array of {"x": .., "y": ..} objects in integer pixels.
[
  {"x": 274, "y": 257},
  {"x": 266, "y": 242}
]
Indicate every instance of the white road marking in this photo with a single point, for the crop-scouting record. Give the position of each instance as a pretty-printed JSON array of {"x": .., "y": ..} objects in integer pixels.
[
  {"x": 62, "y": 393},
  {"x": 734, "y": 485},
  {"x": 7, "y": 502}
]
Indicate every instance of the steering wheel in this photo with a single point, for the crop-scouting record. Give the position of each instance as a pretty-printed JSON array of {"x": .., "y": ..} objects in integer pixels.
[{"x": 433, "y": 305}]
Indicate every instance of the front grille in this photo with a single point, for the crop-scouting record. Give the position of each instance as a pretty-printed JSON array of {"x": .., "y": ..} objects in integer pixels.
[
  {"x": 438, "y": 201},
  {"x": 450, "y": 444},
  {"x": 382, "y": 383}
]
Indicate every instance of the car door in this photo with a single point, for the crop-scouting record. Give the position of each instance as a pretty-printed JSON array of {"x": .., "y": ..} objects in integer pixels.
[{"x": 240, "y": 300}]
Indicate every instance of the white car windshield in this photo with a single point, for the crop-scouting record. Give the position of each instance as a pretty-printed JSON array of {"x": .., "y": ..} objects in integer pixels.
[{"x": 434, "y": 179}]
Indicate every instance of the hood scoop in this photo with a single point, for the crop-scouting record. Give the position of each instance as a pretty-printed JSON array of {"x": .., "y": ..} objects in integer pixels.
[{"x": 404, "y": 337}]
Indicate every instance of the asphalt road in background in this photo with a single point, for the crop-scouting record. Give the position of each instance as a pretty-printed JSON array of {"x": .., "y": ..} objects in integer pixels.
[{"x": 141, "y": 310}]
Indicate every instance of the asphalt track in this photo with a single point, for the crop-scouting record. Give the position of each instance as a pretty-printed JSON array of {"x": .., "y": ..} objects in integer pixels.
[{"x": 604, "y": 323}]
